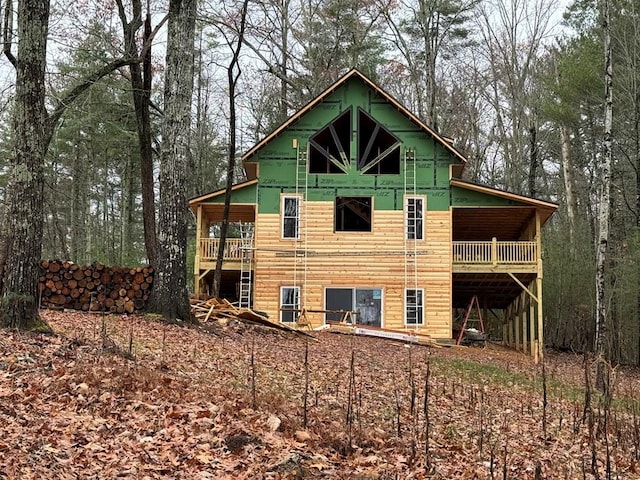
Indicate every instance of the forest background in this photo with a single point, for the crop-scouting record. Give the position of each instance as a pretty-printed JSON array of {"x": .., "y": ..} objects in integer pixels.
[{"x": 519, "y": 85}]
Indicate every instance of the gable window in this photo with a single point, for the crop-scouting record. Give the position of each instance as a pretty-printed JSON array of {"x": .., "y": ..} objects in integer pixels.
[
  {"x": 414, "y": 306},
  {"x": 353, "y": 214},
  {"x": 414, "y": 218},
  {"x": 289, "y": 303},
  {"x": 378, "y": 148},
  {"x": 329, "y": 148},
  {"x": 290, "y": 217}
]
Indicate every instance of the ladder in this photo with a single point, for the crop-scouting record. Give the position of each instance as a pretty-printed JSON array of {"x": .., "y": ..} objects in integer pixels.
[
  {"x": 410, "y": 243},
  {"x": 246, "y": 265},
  {"x": 300, "y": 247},
  {"x": 467, "y": 319}
]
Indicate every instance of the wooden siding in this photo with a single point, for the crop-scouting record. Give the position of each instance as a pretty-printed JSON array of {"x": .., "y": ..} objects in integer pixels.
[{"x": 363, "y": 259}]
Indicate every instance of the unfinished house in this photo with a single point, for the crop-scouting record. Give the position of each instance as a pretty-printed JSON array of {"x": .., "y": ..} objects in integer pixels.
[{"x": 354, "y": 204}]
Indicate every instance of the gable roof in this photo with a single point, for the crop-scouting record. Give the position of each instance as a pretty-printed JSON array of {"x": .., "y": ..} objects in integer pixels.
[{"x": 444, "y": 141}]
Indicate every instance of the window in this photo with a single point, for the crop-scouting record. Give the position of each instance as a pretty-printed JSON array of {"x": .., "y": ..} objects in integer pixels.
[
  {"x": 414, "y": 306},
  {"x": 329, "y": 148},
  {"x": 290, "y": 217},
  {"x": 289, "y": 303},
  {"x": 414, "y": 220},
  {"x": 353, "y": 214},
  {"x": 378, "y": 148},
  {"x": 366, "y": 301}
]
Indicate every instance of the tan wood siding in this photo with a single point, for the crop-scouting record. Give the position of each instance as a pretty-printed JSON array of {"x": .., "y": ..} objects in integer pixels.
[{"x": 363, "y": 259}]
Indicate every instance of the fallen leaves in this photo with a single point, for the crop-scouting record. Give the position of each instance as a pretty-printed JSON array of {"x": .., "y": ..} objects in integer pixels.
[{"x": 165, "y": 401}]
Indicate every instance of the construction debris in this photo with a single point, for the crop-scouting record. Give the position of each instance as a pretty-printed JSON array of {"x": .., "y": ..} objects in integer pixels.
[
  {"x": 406, "y": 336},
  {"x": 221, "y": 310}
]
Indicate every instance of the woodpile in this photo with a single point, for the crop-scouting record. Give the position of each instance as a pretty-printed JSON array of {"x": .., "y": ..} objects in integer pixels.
[{"x": 95, "y": 287}]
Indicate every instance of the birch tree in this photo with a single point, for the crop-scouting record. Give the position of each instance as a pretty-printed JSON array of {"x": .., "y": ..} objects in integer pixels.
[{"x": 605, "y": 191}]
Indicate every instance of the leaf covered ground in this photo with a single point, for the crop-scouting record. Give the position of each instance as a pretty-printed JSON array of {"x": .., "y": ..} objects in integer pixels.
[{"x": 130, "y": 397}]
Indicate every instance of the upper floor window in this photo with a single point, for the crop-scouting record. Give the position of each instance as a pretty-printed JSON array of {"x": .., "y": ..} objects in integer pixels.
[
  {"x": 378, "y": 148},
  {"x": 353, "y": 214},
  {"x": 290, "y": 217},
  {"x": 329, "y": 148},
  {"x": 414, "y": 218}
]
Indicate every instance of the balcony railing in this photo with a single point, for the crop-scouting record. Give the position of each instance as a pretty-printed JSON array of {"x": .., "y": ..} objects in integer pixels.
[
  {"x": 495, "y": 253},
  {"x": 232, "y": 251}
]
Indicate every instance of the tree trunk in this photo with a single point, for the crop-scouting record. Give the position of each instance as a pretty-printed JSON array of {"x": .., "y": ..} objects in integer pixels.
[
  {"x": 603, "y": 216},
  {"x": 233, "y": 73},
  {"x": 534, "y": 163},
  {"x": 569, "y": 181},
  {"x": 141, "y": 89},
  {"x": 169, "y": 296},
  {"x": 23, "y": 198}
]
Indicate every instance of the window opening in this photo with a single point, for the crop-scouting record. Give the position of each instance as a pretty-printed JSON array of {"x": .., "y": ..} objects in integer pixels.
[
  {"x": 414, "y": 306},
  {"x": 289, "y": 303},
  {"x": 353, "y": 214},
  {"x": 290, "y": 217},
  {"x": 415, "y": 218},
  {"x": 329, "y": 148},
  {"x": 378, "y": 148}
]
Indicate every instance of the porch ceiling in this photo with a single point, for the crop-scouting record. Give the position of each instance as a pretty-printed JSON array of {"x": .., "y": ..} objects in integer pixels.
[
  {"x": 484, "y": 223},
  {"x": 494, "y": 290},
  {"x": 238, "y": 212}
]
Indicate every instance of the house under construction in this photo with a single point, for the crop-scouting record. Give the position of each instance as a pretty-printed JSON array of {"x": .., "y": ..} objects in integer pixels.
[{"x": 354, "y": 204}]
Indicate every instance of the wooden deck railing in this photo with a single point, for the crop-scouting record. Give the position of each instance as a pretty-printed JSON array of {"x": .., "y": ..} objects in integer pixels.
[
  {"x": 495, "y": 253},
  {"x": 209, "y": 249}
]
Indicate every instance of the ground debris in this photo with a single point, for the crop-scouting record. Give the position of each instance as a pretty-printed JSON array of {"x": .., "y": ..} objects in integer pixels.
[
  {"x": 274, "y": 406},
  {"x": 223, "y": 311}
]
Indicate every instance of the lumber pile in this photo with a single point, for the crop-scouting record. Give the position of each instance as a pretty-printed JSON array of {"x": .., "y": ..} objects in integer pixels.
[
  {"x": 221, "y": 310},
  {"x": 95, "y": 287}
]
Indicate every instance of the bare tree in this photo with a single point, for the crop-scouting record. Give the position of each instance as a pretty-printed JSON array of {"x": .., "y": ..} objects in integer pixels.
[
  {"x": 140, "y": 78},
  {"x": 233, "y": 74},
  {"x": 512, "y": 37}
]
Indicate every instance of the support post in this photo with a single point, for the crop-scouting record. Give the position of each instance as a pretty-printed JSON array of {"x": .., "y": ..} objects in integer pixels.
[
  {"x": 532, "y": 326},
  {"x": 494, "y": 251},
  {"x": 504, "y": 329},
  {"x": 196, "y": 267},
  {"x": 517, "y": 321},
  {"x": 525, "y": 301}
]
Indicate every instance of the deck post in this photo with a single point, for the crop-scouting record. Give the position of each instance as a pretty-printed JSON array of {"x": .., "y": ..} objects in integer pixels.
[
  {"x": 504, "y": 330},
  {"x": 196, "y": 269},
  {"x": 517, "y": 320},
  {"x": 532, "y": 324},
  {"x": 494, "y": 251},
  {"x": 525, "y": 301}
]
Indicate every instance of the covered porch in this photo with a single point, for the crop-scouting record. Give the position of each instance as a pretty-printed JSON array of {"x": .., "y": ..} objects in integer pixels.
[
  {"x": 238, "y": 249},
  {"x": 497, "y": 259}
]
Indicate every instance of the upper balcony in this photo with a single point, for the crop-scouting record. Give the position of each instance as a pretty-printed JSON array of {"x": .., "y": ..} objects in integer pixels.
[
  {"x": 495, "y": 256},
  {"x": 234, "y": 248}
]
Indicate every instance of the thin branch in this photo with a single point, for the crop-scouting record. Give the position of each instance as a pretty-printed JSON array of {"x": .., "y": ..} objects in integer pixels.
[
  {"x": 7, "y": 30},
  {"x": 76, "y": 91}
]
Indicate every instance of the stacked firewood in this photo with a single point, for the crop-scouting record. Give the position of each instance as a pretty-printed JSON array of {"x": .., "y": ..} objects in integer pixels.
[{"x": 94, "y": 287}]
